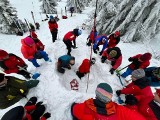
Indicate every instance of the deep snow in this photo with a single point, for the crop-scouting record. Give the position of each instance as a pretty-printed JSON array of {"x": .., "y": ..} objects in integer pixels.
[{"x": 54, "y": 88}]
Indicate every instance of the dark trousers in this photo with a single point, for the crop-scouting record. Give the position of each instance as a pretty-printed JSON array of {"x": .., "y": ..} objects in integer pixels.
[
  {"x": 24, "y": 73},
  {"x": 80, "y": 75},
  {"x": 69, "y": 46},
  {"x": 38, "y": 112},
  {"x": 54, "y": 36}
]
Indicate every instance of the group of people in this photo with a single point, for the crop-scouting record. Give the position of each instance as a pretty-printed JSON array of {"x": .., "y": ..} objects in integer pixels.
[{"x": 140, "y": 102}]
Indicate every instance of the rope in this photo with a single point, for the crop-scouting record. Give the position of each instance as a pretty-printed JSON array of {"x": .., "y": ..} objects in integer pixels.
[{"x": 95, "y": 15}]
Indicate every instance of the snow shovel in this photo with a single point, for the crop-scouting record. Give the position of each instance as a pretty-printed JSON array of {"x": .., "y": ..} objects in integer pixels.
[{"x": 34, "y": 76}]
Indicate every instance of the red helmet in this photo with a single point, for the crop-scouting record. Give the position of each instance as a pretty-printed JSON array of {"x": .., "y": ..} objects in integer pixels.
[
  {"x": 117, "y": 33},
  {"x": 3, "y": 54}
]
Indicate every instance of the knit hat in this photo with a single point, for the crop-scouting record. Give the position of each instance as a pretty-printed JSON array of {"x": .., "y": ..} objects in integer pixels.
[
  {"x": 3, "y": 54},
  {"x": 104, "y": 92},
  {"x": 117, "y": 33},
  {"x": 79, "y": 32},
  {"x": 1, "y": 77},
  {"x": 51, "y": 17},
  {"x": 146, "y": 57},
  {"x": 112, "y": 53},
  {"x": 29, "y": 41},
  {"x": 14, "y": 114},
  {"x": 76, "y": 32},
  {"x": 139, "y": 73}
]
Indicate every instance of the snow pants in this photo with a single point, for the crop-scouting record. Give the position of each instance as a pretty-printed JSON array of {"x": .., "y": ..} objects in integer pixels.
[{"x": 127, "y": 72}]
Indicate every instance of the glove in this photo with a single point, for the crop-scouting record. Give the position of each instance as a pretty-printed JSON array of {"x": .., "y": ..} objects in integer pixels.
[
  {"x": 39, "y": 104},
  {"x": 47, "y": 115},
  {"x": 112, "y": 70},
  {"x": 131, "y": 100},
  {"x": 100, "y": 53},
  {"x": 118, "y": 92},
  {"x": 103, "y": 59},
  {"x": 95, "y": 51},
  {"x": 130, "y": 59}
]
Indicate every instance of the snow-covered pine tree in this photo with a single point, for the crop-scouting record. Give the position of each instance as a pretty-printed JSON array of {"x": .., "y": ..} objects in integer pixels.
[
  {"x": 77, "y": 4},
  {"x": 48, "y": 6},
  {"x": 7, "y": 16},
  {"x": 136, "y": 19}
]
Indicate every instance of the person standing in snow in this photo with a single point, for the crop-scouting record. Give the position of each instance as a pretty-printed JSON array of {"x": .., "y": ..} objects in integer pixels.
[
  {"x": 114, "y": 39},
  {"x": 71, "y": 10},
  {"x": 31, "y": 111},
  {"x": 53, "y": 26},
  {"x": 13, "y": 89},
  {"x": 34, "y": 36},
  {"x": 92, "y": 36},
  {"x": 114, "y": 55},
  {"x": 84, "y": 68},
  {"x": 65, "y": 61},
  {"x": 100, "y": 40},
  {"x": 69, "y": 37},
  {"x": 30, "y": 52},
  {"x": 10, "y": 63},
  {"x": 140, "y": 94},
  {"x": 102, "y": 107},
  {"x": 153, "y": 75},
  {"x": 138, "y": 61}
]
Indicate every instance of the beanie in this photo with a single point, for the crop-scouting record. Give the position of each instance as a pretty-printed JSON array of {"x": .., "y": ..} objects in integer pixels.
[
  {"x": 14, "y": 114},
  {"x": 79, "y": 32},
  {"x": 104, "y": 92},
  {"x": 3, "y": 54},
  {"x": 29, "y": 41},
  {"x": 112, "y": 53},
  {"x": 146, "y": 57},
  {"x": 75, "y": 31},
  {"x": 117, "y": 33},
  {"x": 51, "y": 17},
  {"x": 1, "y": 77},
  {"x": 139, "y": 73}
]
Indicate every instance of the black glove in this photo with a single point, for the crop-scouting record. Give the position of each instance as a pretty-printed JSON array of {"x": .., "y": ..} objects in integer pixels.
[
  {"x": 103, "y": 59},
  {"x": 130, "y": 59},
  {"x": 131, "y": 100},
  {"x": 39, "y": 104},
  {"x": 95, "y": 51},
  {"x": 47, "y": 115},
  {"x": 100, "y": 53},
  {"x": 118, "y": 92},
  {"x": 112, "y": 70}
]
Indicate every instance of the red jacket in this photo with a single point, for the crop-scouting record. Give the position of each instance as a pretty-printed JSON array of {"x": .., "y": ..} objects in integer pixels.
[
  {"x": 28, "y": 51},
  {"x": 39, "y": 45},
  {"x": 142, "y": 91},
  {"x": 113, "y": 41},
  {"x": 11, "y": 64},
  {"x": 69, "y": 36},
  {"x": 30, "y": 109},
  {"x": 53, "y": 26},
  {"x": 141, "y": 64},
  {"x": 83, "y": 112},
  {"x": 117, "y": 60},
  {"x": 85, "y": 66}
]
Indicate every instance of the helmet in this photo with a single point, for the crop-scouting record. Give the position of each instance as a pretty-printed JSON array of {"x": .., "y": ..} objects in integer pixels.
[
  {"x": 113, "y": 53},
  {"x": 51, "y": 17},
  {"x": 29, "y": 41},
  {"x": 3, "y": 54},
  {"x": 117, "y": 33}
]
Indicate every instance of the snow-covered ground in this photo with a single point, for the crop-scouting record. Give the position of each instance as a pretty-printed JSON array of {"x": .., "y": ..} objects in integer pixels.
[{"x": 54, "y": 88}]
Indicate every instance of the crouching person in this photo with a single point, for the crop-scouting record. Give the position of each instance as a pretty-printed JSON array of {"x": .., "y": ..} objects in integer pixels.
[
  {"x": 84, "y": 68},
  {"x": 30, "y": 52},
  {"x": 102, "y": 107},
  {"x": 31, "y": 111},
  {"x": 65, "y": 61},
  {"x": 13, "y": 89}
]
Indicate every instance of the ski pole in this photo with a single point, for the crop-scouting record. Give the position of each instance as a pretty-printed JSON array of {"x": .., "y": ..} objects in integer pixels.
[
  {"x": 33, "y": 17},
  {"x": 117, "y": 71},
  {"x": 27, "y": 24}
]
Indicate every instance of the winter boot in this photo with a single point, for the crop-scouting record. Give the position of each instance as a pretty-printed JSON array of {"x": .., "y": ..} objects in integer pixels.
[{"x": 32, "y": 83}]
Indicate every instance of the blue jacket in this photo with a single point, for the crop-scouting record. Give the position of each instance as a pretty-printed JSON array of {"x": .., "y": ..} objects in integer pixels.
[
  {"x": 98, "y": 42},
  {"x": 65, "y": 60}
]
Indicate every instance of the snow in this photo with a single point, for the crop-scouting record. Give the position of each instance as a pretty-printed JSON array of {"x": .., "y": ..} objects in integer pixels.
[{"x": 54, "y": 88}]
